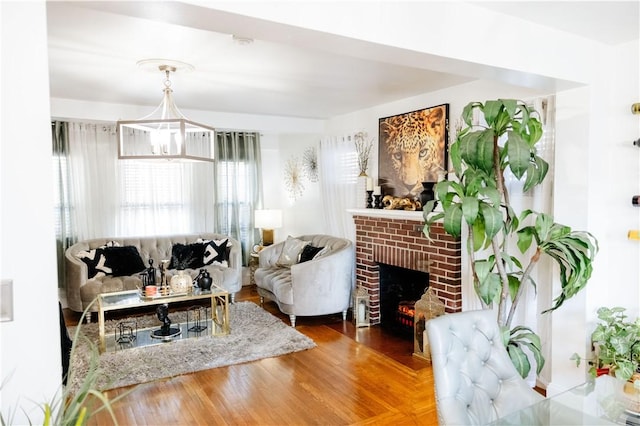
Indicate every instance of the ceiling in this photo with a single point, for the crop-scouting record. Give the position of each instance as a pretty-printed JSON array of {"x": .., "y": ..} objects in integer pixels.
[{"x": 94, "y": 48}]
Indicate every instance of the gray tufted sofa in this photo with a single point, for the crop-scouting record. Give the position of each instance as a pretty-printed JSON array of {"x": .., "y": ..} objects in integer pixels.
[
  {"x": 81, "y": 290},
  {"x": 319, "y": 286},
  {"x": 475, "y": 380}
]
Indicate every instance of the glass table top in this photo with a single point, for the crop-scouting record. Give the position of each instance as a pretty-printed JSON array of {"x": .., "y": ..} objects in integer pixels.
[
  {"x": 601, "y": 401},
  {"x": 132, "y": 298},
  {"x": 145, "y": 336}
]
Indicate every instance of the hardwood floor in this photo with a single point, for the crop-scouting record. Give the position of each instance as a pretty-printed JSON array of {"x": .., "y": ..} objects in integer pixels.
[{"x": 353, "y": 377}]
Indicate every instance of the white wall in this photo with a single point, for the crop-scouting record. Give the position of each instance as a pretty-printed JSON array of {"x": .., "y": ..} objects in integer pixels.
[
  {"x": 299, "y": 216},
  {"x": 614, "y": 177},
  {"x": 30, "y": 344},
  {"x": 449, "y": 36},
  {"x": 571, "y": 179},
  {"x": 600, "y": 171},
  {"x": 71, "y": 109},
  {"x": 302, "y": 215}
]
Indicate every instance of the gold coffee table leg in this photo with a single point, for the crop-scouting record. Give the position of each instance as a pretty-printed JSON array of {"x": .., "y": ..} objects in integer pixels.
[
  {"x": 102, "y": 346},
  {"x": 220, "y": 313}
]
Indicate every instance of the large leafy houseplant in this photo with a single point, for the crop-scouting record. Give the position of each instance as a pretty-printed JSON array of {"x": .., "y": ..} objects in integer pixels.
[{"x": 505, "y": 140}]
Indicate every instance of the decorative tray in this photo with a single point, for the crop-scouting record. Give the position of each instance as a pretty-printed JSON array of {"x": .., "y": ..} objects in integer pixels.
[{"x": 161, "y": 296}]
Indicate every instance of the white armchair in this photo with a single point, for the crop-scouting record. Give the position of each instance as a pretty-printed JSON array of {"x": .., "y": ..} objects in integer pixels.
[
  {"x": 475, "y": 380},
  {"x": 319, "y": 286}
]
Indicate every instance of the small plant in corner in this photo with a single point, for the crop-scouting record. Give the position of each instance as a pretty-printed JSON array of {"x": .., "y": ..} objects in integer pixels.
[
  {"x": 76, "y": 407},
  {"x": 505, "y": 139},
  {"x": 616, "y": 344}
]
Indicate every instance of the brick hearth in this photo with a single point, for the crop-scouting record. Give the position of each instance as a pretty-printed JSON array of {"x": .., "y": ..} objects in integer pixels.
[{"x": 395, "y": 238}]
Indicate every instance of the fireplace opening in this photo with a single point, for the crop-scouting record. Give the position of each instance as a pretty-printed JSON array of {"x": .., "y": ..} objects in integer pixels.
[{"x": 400, "y": 289}]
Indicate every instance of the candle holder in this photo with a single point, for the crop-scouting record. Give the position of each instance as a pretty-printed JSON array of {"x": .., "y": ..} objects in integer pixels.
[
  {"x": 361, "y": 308},
  {"x": 378, "y": 203},
  {"x": 369, "y": 199}
]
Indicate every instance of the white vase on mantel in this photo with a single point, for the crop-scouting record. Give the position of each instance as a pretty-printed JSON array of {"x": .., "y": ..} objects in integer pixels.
[{"x": 364, "y": 183}]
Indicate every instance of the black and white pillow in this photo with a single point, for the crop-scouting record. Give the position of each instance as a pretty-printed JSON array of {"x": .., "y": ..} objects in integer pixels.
[
  {"x": 96, "y": 262},
  {"x": 112, "y": 259},
  {"x": 216, "y": 252}
]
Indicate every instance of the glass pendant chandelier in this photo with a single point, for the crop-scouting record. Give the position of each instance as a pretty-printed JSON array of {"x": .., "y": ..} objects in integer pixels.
[{"x": 165, "y": 133}]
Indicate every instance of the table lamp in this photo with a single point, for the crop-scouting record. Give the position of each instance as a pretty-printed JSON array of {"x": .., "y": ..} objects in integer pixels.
[{"x": 268, "y": 220}]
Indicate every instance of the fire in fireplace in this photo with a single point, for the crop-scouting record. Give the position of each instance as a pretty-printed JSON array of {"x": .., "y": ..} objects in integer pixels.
[
  {"x": 400, "y": 288},
  {"x": 405, "y": 313}
]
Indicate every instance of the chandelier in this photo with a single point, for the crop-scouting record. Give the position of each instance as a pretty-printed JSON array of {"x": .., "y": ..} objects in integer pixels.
[{"x": 165, "y": 133}]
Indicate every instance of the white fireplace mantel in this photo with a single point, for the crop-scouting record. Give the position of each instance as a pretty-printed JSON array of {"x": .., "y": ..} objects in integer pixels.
[{"x": 389, "y": 214}]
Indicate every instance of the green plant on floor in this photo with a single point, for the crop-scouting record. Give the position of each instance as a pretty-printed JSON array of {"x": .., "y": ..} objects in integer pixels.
[
  {"x": 75, "y": 408},
  {"x": 616, "y": 344},
  {"x": 479, "y": 200}
]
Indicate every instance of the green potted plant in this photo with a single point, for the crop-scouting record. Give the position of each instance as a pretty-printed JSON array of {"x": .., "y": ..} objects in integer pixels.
[
  {"x": 75, "y": 408},
  {"x": 478, "y": 199},
  {"x": 616, "y": 344}
]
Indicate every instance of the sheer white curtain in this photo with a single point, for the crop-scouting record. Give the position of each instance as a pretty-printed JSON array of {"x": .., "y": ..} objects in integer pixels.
[
  {"x": 162, "y": 199},
  {"x": 338, "y": 173},
  {"x": 93, "y": 152},
  {"x": 122, "y": 198}
]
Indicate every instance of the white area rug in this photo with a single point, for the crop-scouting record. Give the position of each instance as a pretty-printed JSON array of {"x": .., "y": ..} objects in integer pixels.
[{"x": 255, "y": 334}]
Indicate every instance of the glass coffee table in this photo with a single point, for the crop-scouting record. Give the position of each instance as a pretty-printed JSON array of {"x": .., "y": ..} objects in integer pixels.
[{"x": 217, "y": 325}]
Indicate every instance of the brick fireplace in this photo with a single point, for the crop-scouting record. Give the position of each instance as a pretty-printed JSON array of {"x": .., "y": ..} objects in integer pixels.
[{"x": 394, "y": 237}]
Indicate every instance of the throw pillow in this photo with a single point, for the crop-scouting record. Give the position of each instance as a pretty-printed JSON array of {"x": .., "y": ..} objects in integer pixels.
[
  {"x": 112, "y": 259},
  {"x": 210, "y": 253},
  {"x": 216, "y": 251},
  {"x": 309, "y": 252},
  {"x": 291, "y": 251},
  {"x": 123, "y": 261},
  {"x": 218, "y": 242},
  {"x": 322, "y": 252},
  {"x": 187, "y": 256},
  {"x": 95, "y": 261}
]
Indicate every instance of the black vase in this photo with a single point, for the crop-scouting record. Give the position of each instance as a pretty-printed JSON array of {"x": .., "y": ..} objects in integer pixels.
[
  {"x": 205, "y": 280},
  {"x": 427, "y": 193}
]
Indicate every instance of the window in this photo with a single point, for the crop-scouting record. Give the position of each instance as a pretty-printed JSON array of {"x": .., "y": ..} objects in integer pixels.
[
  {"x": 62, "y": 209},
  {"x": 161, "y": 198}
]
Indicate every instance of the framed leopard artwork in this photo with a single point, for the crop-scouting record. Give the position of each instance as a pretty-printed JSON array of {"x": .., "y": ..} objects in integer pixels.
[{"x": 412, "y": 149}]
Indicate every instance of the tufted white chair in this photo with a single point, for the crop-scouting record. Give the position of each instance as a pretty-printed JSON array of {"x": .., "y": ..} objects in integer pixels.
[{"x": 475, "y": 381}]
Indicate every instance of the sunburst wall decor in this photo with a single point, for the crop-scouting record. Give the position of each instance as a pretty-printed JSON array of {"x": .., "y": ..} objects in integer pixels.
[
  {"x": 310, "y": 164},
  {"x": 293, "y": 178}
]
